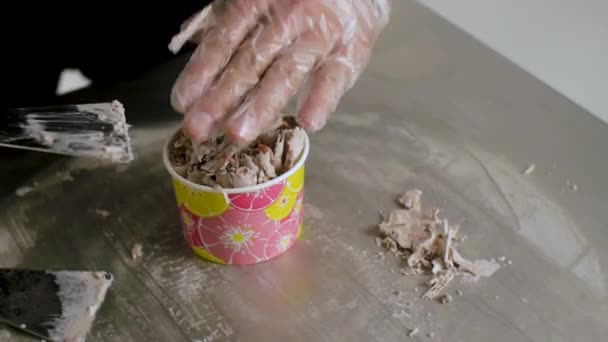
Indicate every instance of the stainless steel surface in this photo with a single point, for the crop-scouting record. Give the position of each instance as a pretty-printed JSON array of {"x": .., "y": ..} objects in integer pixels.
[{"x": 435, "y": 110}]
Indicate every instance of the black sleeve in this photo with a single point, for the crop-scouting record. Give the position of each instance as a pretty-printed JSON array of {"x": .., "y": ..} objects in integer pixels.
[{"x": 108, "y": 40}]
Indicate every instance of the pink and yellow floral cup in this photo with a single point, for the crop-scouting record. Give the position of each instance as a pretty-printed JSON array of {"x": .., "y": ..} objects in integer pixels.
[{"x": 246, "y": 225}]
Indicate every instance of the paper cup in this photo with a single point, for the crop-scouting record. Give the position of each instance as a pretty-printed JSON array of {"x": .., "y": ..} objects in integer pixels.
[{"x": 241, "y": 226}]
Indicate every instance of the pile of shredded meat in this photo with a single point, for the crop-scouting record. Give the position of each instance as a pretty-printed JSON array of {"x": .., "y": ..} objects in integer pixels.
[
  {"x": 428, "y": 244},
  {"x": 219, "y": 163}
]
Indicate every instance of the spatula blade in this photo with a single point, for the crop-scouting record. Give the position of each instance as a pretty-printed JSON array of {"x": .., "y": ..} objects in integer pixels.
[
  {"x": 55, "y": 306},
  {"x": 97, "y": 130}
]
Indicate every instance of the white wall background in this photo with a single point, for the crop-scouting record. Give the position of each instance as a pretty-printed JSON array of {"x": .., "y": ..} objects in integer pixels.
[{"x": 564, "y": 43}]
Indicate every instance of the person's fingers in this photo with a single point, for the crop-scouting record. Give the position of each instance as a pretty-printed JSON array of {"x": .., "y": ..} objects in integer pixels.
[
  {"x": 214, "y": 52},
  {"x": 327, "y": 85},
  {"x": 245, "y": 68},
  {"x": 196, "y": 25},
  {"x": 280, "y": 82},
  {"x": 197, "y": 126},
  {"x": 200, "y": 124},
  {"x": 219, "y": 99}
]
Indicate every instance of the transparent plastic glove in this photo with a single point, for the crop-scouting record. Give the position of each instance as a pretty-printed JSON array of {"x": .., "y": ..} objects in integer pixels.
[{"x": 254, "y": 55}]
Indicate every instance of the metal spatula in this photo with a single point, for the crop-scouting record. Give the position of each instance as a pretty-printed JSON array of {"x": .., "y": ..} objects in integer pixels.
[
  {"x": 97, "y": 130},
  {"x": 55, "y": 306}
]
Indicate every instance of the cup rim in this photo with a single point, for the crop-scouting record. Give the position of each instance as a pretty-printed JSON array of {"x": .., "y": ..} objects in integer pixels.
[{"x": 251, "y": 188}]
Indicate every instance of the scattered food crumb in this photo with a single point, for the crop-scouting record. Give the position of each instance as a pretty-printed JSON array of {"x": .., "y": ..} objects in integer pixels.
[
  {"x": 431, "y": 334},
  {"x": 437, "y": 266},
  {"x": 502, "y": 259},
  {"x": 438, "y": 283},
  {"x": 102, "y": 212},
  {"x": 24, "y": 190},
  {"x": 524, "y": 299},
  {"x": 415, "y": 289},
  {"x": 509, "y": 262},
  {"x": 459, "y": 293},
  {"x": 23, "y": 326},
  {"x": 481, "y": 268},
  {"x": 91, "y": 310},
  {"x": 392, "y": 271},
  {"x": 493, "y": 260},
  {"x": 446, "y": 299},
  {"x": 413, "y": 332},
  {"x": 429, "y": 245},
  {"x": 137, "y": 251},
  {"x": 380, "y": 255},
  {"x": 571, "y": 185},
  {"x": 411, "y": 271},
  {"x": 396, "y": 292},
  {"x": 529, "y": 169},
  {"x": 428, "y": 314},
  {"x": 497, "y": 297}
]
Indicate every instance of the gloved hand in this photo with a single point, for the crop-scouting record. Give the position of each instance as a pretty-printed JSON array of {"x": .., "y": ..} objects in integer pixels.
[{"x": 254, "y": 55}]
